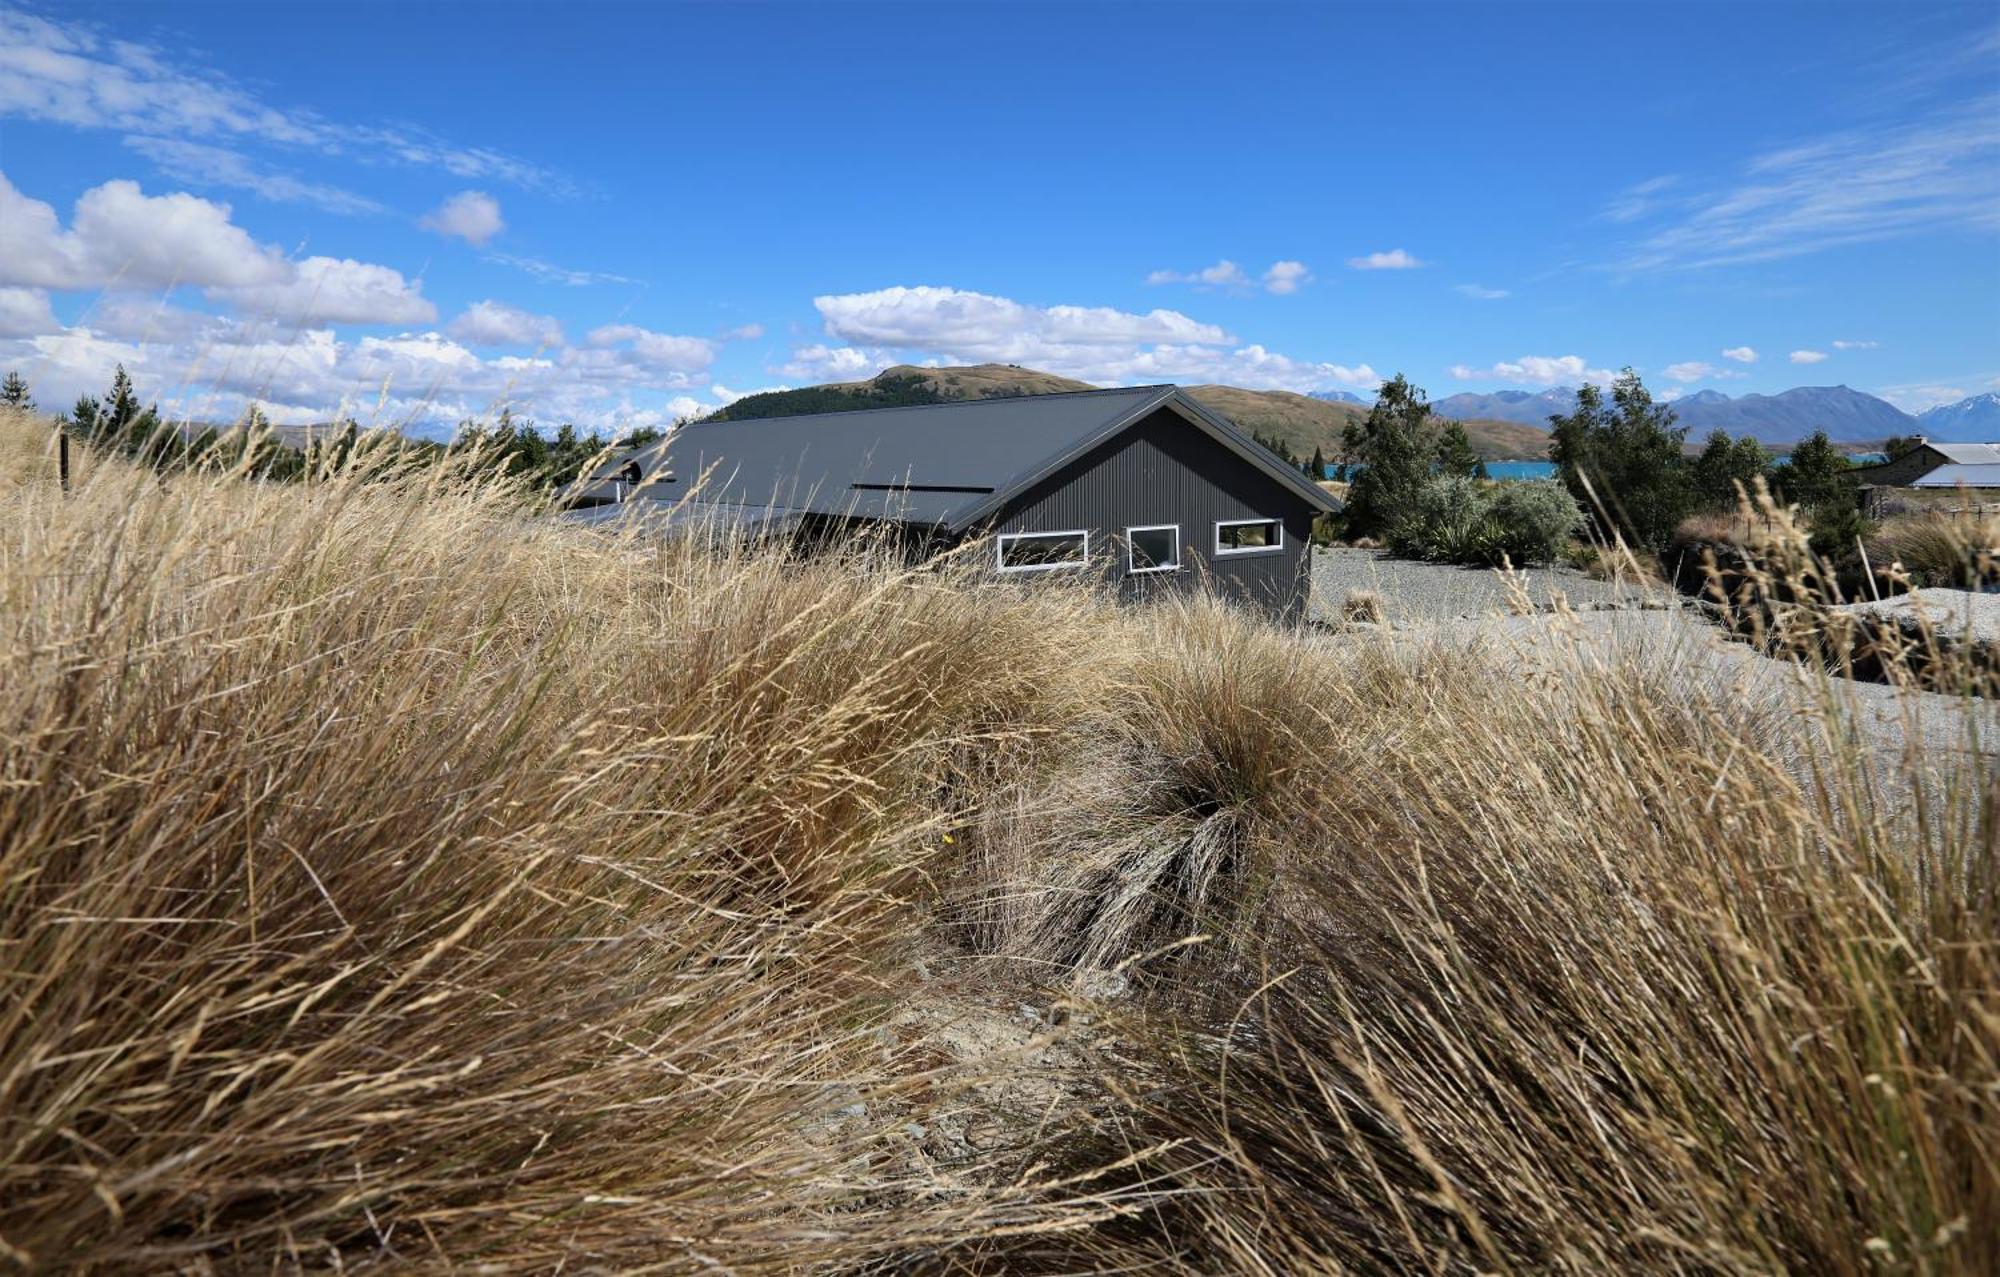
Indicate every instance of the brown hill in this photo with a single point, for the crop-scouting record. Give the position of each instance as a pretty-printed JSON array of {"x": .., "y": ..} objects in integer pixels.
[{"x": 1300, "y": 422}]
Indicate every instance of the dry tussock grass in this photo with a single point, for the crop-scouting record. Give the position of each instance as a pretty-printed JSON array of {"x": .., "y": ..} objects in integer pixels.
[
  {"x": 1939, "y": 548},
  {"x": 388, "y": 879}
]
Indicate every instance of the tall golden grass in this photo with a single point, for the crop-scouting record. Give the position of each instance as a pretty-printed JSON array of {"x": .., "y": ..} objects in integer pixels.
[{"x": 388, "y": 878}]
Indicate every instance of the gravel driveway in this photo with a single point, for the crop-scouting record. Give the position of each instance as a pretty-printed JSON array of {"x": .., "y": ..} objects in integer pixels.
[{"x": 1418, "y": 592}]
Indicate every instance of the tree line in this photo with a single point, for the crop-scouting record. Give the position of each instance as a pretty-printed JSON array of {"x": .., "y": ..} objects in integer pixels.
[
  {"x": 120, "y": 423},
  {"x": 1622, "y": 469}
]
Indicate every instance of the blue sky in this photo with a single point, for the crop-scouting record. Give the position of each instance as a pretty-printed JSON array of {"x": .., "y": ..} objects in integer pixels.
[{"x": 625, "y": 213}]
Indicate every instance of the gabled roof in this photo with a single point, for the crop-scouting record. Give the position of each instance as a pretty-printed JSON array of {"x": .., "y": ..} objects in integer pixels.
[
  {"x": 951, "y": 465},
  {"x": 1968, "y": 454},
  {"x": 1972, "y": 476}
]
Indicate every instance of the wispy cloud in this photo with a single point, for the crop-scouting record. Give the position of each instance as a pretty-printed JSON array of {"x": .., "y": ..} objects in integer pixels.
[
  {"x": 74, "y": 73},
  {"x": 1879, "y": 182},
  {"x": 1741, "y": 354},
  {"x": 1481, "y": 293},
  {"x": 1809, "y": 356},
  {"x": 1639, "y": 199},
  {"x": 200, "y": 164},
  {"x": 549, "y": 273},
  {"x": 1856, "y": 345}
]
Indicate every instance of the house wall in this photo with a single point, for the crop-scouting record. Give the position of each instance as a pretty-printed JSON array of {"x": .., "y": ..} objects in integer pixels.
[
  {"x": 1166, "y": 470},
  {"x": 1908, "y": 468}
]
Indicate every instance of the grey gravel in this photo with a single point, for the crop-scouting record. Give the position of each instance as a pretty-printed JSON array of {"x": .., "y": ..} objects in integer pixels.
[
  {"x": 1418, "y": 592},
  {"x": 1954, "y": 613},
  {"x": 1607, "y": 626}
]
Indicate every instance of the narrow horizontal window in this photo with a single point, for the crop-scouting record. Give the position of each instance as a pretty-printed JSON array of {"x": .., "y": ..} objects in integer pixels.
[
  {"x": 1043, "y": 551},
  {"x": 1249, "y": 536},
  {"x": 1154, "y": 549}
]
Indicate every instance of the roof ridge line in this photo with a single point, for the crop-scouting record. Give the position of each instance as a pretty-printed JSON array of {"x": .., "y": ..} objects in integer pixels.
[{"x": 945, "y": 403}]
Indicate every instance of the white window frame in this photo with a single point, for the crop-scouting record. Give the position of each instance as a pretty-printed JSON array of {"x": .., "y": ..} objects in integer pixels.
[
  {"x": 1000, "y": 551},
  {"x": 1132, "y": 567},
  {"x": 1223, "y": 552}
]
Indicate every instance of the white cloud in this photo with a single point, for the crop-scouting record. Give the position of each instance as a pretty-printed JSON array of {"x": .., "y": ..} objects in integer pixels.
[
  {"x": 1224, "y": 274},
  {"x": 984, "y": 328},
  {"x": 1394, "y": 259},
  {"x": 473, "y": 216},
  {"x": 549, "y": 273},
  {"x": 328, "y": 290},
  {"x": 1091, "y": 343},
  {"x": 1933, "y": 172},
  {"x": 493, "y": 323},
  {"x": 1482, "y": 294},
  {"x": 24, "y": 312},
  {"x": 200, "y": 164},
  {"x": 743, "y": 332},
  {"x": 72, "y": 74},
  {"x": 1808, "y": 356},
  {"x": 644, "y": 348},
  {"x": 1286, "y": 277},
  {"x": 1856, "y": 345},
  {"x": 819, "y": 363},
  {"x": 121, "y": 238},
  {"x": 1539, "y": 370},
  {"x": 1925, "y": 395},
  {"x": 728, "y": 396},
  {"x": 1696, "y": 370},
  {"x": 205, "y": 367},
  {"x": 1741, "y": 354}
]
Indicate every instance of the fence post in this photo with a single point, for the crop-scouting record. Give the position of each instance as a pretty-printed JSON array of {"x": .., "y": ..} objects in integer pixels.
[{"x": 62, "y": 457}]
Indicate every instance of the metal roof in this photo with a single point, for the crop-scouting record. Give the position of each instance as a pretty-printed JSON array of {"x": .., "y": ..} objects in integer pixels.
[
  {"x": 1968, "y": 454},
  {"x": 1972, "y": 476},
  {"x": 947, "y": 464}
]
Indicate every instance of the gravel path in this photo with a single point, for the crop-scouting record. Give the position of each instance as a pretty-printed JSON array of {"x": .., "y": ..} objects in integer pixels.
[
  {"x": 1418, "y": 592},
  {"x": 1629, "y": 627}
]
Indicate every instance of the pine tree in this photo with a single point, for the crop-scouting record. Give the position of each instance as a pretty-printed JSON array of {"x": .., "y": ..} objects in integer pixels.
[
  {"x": 1454, "y": 452},
  {"x": 1815, "y": 474},
  {"x": 1396, "y": 449},
  {"x": 1318, "y": 470},
  {"x": 14, "y": 392},
  {"x": 1624, "y": 461}
]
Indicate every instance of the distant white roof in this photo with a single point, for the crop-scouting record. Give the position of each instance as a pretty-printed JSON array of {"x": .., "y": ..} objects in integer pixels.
[
  {"x": 1972, "y": 476},
  {"x": 1969, "y": 454}
]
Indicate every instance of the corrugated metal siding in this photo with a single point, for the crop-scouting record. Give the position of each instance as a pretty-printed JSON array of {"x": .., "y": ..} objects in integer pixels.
[{"x": 1164, "y": 470}]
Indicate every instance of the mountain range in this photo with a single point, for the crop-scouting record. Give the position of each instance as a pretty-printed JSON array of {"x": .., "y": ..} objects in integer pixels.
[
  {"x": 1974, "y": 420},
  {"x": 1506, "y": 424},
  {"x": 1847, "y": 415}
]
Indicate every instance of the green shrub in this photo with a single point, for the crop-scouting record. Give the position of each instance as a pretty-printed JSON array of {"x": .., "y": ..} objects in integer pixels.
[
  {"x": 1445, "y": 518},
  {"x": 1533, "y": 522},
  {"x": 1453, "y": 519}
]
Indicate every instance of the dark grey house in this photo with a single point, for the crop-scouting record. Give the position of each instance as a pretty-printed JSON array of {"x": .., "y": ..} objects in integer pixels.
[{"x": 1142, "y": 484}]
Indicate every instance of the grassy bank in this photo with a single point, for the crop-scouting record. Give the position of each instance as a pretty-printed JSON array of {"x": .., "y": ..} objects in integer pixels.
[{"x": 389, "y": 879}]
